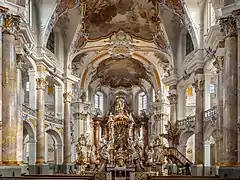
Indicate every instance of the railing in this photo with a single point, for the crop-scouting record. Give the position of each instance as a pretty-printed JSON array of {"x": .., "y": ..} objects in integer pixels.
[
  {"x": 171, "y": 151},
  {"x": 27, "y": 110},
  {"x": 210, "y": 115},
  {"x": 53, "y": 119}
]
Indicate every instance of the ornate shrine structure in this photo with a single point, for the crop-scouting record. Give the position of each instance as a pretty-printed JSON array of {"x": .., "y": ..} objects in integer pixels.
[{"x": 122, "y": 144}]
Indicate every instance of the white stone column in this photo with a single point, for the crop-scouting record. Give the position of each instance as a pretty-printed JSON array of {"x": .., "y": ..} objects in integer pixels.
[
  {"x": 207, "y": 151},
  {"x": 181, "y": 105},
  {"x": 32, "y": 89},
  {"x": 32, "y": 151},
  {"x": 46, "y": 147},
  {"x": 58, "y": 153},
  {"x": 207, "y": 95},
  {"x": 59, "y": 102},
  {"x": 20, "y": 62}
]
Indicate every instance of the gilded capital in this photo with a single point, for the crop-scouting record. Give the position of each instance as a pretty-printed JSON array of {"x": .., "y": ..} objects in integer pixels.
[
  {"x": 198, "y": 85},
  {"x": 228, "y": 26},
  {"x": 172, "y": 98},
  {"x": 67, "y": 97},
  {"x": 218, "y": 63},
  {"x": 10, "y": 24},
  {"x": 41, "y": 83}
]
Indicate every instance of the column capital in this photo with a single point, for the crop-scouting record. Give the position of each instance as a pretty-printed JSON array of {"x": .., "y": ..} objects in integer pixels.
[
  {"x": 21, "y": 61},
  {"x": 228, "y": 26},
  {"x": 198, "y": 85},
  {"x": 67, "y": 97},
  {"x": 218, "y": 63},
  {"x": 172, "y": 98},
  {"x": 41, "y": 83},
  {"x": 10, "y": 23},
  {"x": 236, "y": 15}
]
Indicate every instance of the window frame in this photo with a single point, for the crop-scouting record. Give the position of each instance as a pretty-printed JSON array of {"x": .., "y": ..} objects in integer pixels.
[
  {"x": 51, "y": 42},
  {"x": 189, "y": 46}
]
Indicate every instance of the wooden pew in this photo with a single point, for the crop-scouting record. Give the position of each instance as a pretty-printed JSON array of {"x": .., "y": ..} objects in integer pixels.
[
  {"x": 55, "y": 176},
  {"x": 188, "y": 178}
]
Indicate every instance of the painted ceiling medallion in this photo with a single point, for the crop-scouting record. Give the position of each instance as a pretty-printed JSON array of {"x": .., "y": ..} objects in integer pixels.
[
  {"x": 120, "y": 73},
  {"x": 136, "y": 17},
  {"x": 121, "y": 45}
]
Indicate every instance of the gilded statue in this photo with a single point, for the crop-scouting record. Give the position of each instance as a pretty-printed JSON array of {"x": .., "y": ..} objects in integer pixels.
[{"x": 119, "y": 107}]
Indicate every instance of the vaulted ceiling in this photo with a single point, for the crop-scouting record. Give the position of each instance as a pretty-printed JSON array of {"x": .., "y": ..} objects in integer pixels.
[{"x": 125, "y": 30}]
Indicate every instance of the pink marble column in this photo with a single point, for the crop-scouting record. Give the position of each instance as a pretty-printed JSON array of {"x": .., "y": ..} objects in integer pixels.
[
  {"x": 199, "y": 138},
  {"x": 218, "y": 63},
  {"x": 237, "y": 18},
  {"x": 41, "y": 85},
  {"x": 2, "y": 12},
  {"x": 228, "y": 26},
  {"x": 67, "y": 98},
  {"x": 9, "y": 89},
  {"x": 96, "y": 128}
]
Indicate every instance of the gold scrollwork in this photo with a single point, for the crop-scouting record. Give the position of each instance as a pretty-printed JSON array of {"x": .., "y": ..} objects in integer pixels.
[
  {"x": 67, "y": 97},
  {"x": 41, "y": 83}
]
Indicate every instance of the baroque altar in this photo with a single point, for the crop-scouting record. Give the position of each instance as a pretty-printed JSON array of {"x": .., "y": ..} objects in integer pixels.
[{"x": 122, "y": 144}]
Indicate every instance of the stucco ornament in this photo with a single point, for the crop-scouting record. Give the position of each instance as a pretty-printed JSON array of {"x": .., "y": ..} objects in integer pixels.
[{"x": 121, "y": 45}]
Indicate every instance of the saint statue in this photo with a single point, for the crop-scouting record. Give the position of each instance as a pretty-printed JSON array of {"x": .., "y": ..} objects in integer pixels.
[{"x": 120, "y": 105}]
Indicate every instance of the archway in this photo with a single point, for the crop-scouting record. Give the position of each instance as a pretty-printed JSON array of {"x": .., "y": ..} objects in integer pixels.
[
  {"x": 29, "y": 143},
  {"x": 54, "y": 148}
]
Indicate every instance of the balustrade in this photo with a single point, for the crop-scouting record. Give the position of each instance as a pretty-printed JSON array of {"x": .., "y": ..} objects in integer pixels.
[
  {"x": 32, "y": 112},
  {"x": 210, "y": 115}
]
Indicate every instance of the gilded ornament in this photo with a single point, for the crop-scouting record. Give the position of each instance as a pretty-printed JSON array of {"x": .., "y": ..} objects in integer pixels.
[
  {"x": 41, "y": 83},
  {"x": 67, "y": 97},
  {"x": 11, "y": 24}
]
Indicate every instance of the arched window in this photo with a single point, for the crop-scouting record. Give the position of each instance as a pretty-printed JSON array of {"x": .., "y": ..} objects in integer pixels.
[
  {"x": 189, "y": 44},
  {"x": 142, "y": 101},
  {"x": 51, "y": 42},
  {"x": 98, "y": 101}
]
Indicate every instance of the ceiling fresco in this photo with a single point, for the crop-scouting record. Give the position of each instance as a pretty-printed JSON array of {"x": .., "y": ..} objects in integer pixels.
[
  {"x": 137, "y": 17},
  {"x": 120, "y": 73}
]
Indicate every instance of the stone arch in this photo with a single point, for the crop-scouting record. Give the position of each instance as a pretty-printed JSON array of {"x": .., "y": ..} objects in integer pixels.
[
  {"x": 29, "y": 145},
  {"x": 58, "y": 144},
  {"x": 56, "y": 13},
  {"x": 185, "y": 135},
  {"x": 55, "y": 134},
  {"x": 30, "y": 131},
  {"x": 85, "y": 75},
  {"x": 210, "y": 130},
  {"x": 190, "y": 27}
]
